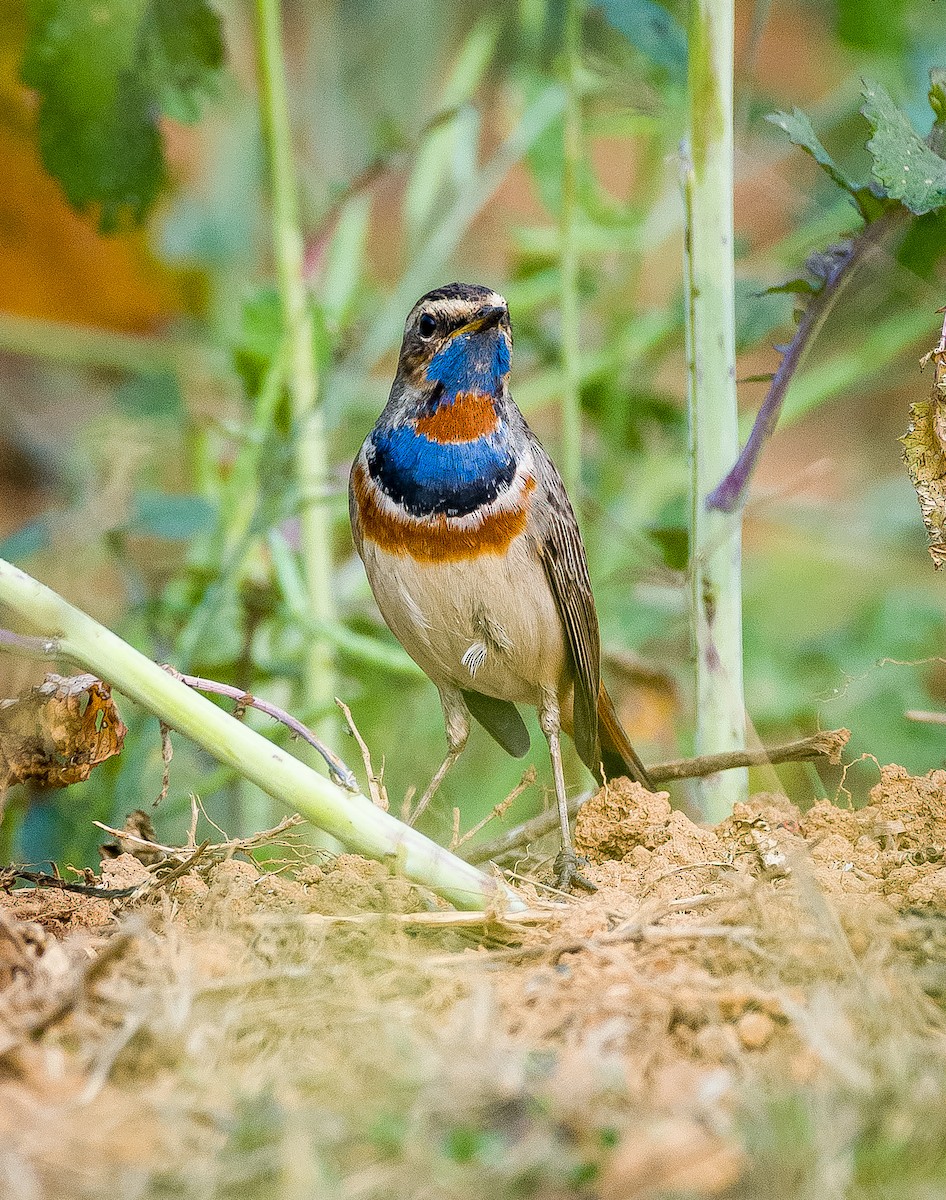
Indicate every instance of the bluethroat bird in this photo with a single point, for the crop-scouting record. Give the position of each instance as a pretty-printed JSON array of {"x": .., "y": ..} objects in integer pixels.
[{"x": 473, "y": 552}]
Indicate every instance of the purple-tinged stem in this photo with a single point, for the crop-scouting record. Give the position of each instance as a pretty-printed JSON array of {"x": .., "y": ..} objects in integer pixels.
[{"x": 836, "y": 268}]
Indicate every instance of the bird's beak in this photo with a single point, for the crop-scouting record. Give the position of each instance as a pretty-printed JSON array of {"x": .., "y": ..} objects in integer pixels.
[{"x": 486, "y": 318}]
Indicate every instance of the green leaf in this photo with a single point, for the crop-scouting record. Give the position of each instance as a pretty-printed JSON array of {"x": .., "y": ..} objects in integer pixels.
[
  {"x": 260, "y": 336},
  {"x": 156, "y": 397},
  {"x": 937, "y": 98},
  {"x": 177, "y": 518},
  {"x": 876, "y": 25},
  {"x": 443, "y": 144},
  {"x": 106, "y": 71},
  {"x": 903, "y": 163},
  {"x": 344, "y": 267},
  {"x": 759, "y": 311},
  {"x": 30, "y": 539},
  {"x": 801, "y": 133},
  {"x": 653, "y": 30}
]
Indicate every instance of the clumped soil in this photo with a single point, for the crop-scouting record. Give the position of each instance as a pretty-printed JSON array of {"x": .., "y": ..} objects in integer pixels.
[{"x": 753, "y": 1009}]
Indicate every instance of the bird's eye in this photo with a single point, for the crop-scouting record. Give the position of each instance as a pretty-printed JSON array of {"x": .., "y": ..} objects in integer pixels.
[{"x": 427, "y": 326}]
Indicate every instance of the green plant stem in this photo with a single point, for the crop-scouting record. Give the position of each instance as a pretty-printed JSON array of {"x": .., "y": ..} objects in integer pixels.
[
  {"x": 444, "y": 238},
  {"x": 311, "y": 457},
  {"x": 571, "y": 159},
  {"x": 715, "y": 537},
  {"x": 389, "y": 657},
  {"x": 351, "y": 818}
]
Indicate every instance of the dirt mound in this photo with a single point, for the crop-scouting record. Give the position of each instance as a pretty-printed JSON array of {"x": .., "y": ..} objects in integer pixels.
[
  {"x": 330, "y": 1030},
  {"x": 894, "y": 847}
]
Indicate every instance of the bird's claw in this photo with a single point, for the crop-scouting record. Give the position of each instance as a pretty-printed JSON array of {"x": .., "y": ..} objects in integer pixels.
[{"x": 567, "y": 874}]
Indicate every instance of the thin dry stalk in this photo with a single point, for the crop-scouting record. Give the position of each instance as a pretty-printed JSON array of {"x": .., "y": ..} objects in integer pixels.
[
  {"x": 376, "y": 788},
  {"x": 210, "y": 852},
  {"x": 554, "y": 951},
  {"x": 192, "y": 829},
  {"x": 340, "y": 773},
  {"x": 500, "y": 810},
  {"x": 167, "y": 753},
  {"x": 436, "y": 920},
  {"x": 928, "y": 718}
]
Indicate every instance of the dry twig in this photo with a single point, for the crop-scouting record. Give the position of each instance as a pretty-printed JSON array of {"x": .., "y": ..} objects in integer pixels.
[
  {"x": 827, "y": 744},
  {"x": 12, "y": 874},
  {"x": 211, "y": 852},
  {"x": 341, "y": 774},
  {"x": 167, "y": 753},
  {"x": 632, "y": 931},
  {"x": 376, "y": 788},
  {"x": 928, "y": 718},
  {"x": 500, "y": 810}
]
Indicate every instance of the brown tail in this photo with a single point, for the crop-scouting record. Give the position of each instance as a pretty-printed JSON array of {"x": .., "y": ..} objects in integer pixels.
[{"x": 617, "y": 754}]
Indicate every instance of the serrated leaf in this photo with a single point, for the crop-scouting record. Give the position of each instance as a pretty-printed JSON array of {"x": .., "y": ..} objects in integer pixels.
[
  {"x": 903, "y": 163},
  {"x": 801, "y": 132},
  {"x": 106, "y": 71},
  {"x": 653, "y": 30}
]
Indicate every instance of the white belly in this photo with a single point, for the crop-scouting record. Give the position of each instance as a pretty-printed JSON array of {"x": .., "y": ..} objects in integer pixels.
[{"x": 488, "y": 623}]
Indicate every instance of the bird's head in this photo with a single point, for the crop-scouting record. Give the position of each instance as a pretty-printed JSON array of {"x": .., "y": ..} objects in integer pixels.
[{"x": 457, "y": 340}]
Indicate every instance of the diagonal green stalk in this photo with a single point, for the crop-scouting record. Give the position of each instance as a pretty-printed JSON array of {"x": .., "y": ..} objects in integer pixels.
[
  {"x": 715, "y": 537},
  {"x": 311, "y": 456},
  {"x": 568, "y": 257},
  {"x": 353, "y": 819}
]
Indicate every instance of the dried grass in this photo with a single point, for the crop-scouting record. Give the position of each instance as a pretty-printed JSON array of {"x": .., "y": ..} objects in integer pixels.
[{"x": 751, "y": 1010}]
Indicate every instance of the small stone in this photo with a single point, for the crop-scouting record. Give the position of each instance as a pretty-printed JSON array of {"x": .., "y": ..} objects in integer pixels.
[
  {"x": 755, "y": 1030},
  {"x": 716, "y": 1043}
]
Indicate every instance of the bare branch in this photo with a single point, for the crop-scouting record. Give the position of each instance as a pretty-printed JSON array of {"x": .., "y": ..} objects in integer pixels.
[
  {"x": 499, "y": 810},
  {"x": 21, "y": 643},
  {"x": 827, "y": 744},
  {"x": 341, "y": 774},
  {"x": 379, "y": 795},
  {"x": 928, "y": 718}
]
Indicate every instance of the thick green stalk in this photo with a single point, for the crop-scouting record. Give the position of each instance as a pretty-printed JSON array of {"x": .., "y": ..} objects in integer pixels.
[
  {"x": 311, "y": 457},
  {"x": 351, "y": 818},
  {"x": 568, "y": 259},
  {"x": 715, "y": 537}
]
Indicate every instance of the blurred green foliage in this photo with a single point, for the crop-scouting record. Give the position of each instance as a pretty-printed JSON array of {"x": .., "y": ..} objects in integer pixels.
[
  {"x": 105, "y": 73},
  {"x": 430, "y": 146}
]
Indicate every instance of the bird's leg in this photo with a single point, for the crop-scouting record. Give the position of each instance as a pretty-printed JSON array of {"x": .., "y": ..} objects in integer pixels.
[
  {"x": 566, "y": 861},
  {"x": 456, "y": 718}
]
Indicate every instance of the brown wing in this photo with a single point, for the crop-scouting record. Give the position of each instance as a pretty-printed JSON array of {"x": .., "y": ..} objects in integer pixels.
[
  {"x": 501, "y": 720},
  {"x": 566, "y": 567},
  {"x": 618, "y": 756}
]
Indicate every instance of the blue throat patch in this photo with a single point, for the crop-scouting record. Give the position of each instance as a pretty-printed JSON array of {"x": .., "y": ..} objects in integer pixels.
[
  {"x": 471, "y": 362},
  {"x": 428, "y": 478}
]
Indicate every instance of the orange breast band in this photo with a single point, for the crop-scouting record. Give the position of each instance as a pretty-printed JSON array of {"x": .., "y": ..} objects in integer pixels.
[
  {"x": 434, "y": 539},
  {"x": 470, "y": 416}
]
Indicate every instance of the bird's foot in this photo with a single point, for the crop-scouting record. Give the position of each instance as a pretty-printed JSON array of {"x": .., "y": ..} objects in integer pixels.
[{"x": 567, "y": 873}]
